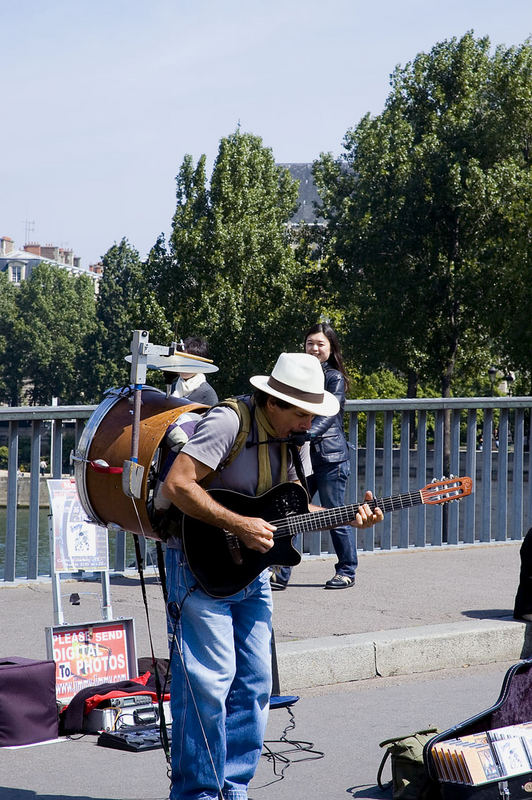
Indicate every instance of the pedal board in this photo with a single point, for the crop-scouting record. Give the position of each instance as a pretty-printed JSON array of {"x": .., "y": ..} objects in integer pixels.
[{"x": 134, "y": 739}]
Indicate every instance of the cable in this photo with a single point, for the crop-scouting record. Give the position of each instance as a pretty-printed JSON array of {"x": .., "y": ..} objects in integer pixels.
[{"x": 280, "y": 759}]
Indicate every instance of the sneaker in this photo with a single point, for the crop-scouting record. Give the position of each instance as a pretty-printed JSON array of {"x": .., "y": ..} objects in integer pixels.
[
  {"x": 340, "y": 582},
  {"x": 276, "y": 583}
]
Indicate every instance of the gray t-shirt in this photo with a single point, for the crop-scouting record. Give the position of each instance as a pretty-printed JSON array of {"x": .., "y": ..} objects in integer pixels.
[{"x": 211, "y": 444}]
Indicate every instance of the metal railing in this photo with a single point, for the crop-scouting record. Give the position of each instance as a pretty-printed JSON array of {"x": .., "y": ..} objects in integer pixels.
[
  {"x": 396, "y": 446},
  {"x": 400, "y": 445}
]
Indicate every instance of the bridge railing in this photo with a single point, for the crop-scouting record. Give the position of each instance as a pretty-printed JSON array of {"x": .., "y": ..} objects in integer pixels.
[{"x": 396, "y": 447}]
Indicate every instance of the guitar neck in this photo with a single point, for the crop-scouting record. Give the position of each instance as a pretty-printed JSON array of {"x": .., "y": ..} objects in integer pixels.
[{"x": 334, "y": 517}]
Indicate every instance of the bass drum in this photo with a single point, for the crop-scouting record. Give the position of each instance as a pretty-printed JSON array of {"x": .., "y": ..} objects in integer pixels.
[{"x": 107, "y": 438}]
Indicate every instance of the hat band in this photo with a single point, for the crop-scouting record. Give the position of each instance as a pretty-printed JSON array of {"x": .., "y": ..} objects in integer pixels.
[{"x": 297, "y": 394}]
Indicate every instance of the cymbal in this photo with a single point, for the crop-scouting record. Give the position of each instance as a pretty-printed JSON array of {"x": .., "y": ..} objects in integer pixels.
[{"x": 181, "y": 362}]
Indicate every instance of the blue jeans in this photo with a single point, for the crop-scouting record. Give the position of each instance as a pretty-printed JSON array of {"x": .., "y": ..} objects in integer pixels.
[
  {"x": 330, "y": 482},
  {"x": 221, "y": 683}
]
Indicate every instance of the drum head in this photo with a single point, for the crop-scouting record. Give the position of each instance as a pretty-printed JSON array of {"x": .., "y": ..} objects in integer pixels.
[{"x": 107, "y": 437}]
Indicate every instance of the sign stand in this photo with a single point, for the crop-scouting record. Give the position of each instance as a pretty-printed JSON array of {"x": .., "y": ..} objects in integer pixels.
[
  {"x": 85, "y": 653},
  {"x": 75, "y": 545}
]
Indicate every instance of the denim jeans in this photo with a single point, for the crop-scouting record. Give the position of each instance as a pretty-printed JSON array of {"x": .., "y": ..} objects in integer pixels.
[
  {"x": 221, "y": 683},
  {"x": 330, "y": 482}
]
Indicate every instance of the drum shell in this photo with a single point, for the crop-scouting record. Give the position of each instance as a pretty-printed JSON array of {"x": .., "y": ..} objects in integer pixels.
[{"x": 107, "y": 436}]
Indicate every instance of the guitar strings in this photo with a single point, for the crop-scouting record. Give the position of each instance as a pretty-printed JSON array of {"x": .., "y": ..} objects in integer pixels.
[{"x": 299, "y": 523}]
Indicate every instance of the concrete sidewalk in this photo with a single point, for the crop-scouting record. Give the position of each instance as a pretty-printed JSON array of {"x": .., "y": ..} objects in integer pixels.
[{"x": 411, "y": 611}]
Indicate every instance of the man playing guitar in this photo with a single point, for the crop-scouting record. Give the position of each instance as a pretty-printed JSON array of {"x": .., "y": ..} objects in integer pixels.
[{"x": 220, "y": 645}]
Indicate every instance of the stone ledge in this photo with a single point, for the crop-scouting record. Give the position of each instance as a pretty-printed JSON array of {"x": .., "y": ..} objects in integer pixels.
[{"x": 402, "y": 651}]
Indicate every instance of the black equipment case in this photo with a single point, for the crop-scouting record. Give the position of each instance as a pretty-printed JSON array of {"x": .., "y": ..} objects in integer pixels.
[{"x": 513, "y": 706}]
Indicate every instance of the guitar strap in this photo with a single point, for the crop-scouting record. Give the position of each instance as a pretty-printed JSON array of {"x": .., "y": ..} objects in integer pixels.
[{"x": 298, "y": 464}]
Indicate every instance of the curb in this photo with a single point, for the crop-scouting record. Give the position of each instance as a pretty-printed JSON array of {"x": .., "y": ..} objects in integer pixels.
[{"x": 403, "y": 651}]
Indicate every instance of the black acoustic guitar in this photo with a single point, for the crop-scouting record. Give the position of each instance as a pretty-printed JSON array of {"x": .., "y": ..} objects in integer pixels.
[{"x": 223, "y": 566}]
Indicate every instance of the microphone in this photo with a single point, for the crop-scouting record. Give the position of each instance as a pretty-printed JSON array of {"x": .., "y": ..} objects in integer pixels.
[{"x": 298, "y": 439}]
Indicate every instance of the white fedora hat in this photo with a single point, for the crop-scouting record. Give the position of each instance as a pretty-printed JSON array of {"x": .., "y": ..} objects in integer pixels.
[{"x": 297, "y": 378}]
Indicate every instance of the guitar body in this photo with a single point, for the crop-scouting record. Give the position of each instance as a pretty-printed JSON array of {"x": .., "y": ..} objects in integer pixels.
[{"x": 208, "y": 549}]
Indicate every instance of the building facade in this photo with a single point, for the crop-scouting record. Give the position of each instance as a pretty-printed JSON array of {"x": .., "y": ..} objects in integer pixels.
[{"x": 19, "y": 264}]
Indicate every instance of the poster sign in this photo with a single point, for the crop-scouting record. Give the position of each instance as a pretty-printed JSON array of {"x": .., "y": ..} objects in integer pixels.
[
  {"x": 91, "y": 653},
  {"x": 76, "y": 543}
]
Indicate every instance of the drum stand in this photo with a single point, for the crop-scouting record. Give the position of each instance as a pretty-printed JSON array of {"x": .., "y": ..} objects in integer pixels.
[
  {"x": 133, "y": 472},
  {"x": 145, "y": 355}
]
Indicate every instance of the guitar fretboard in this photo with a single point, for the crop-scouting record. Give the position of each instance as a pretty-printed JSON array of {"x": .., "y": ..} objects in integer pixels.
[{"x": 334, "y": 517}]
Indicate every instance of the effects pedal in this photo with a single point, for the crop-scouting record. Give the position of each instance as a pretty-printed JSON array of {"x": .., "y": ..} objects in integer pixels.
[{"x": 125, "y": 712}]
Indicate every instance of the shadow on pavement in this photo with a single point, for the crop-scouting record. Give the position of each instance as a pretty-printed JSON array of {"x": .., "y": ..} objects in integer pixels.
[
  {"x": 488, "y": 613},
  {"x": 24, "y": 794}
]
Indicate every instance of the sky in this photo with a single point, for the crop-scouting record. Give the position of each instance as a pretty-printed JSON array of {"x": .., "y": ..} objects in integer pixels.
[{"x": 102, "y": 99}]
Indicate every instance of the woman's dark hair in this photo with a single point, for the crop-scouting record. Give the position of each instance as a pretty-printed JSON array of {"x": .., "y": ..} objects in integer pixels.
[{"x": 335, "y": 359}]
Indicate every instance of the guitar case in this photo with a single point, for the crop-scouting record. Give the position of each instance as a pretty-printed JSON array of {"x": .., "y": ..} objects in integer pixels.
[{"x": 514, "y": 705}]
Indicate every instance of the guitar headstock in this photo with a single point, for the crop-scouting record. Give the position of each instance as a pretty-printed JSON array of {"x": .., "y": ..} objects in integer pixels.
[{"x": 447, "y": 489}]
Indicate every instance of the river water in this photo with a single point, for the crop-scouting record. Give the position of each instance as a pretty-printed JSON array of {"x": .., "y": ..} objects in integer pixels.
[{"x": 21, "y": 563}]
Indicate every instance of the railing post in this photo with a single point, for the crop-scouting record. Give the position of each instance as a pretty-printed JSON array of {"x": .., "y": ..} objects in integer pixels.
[
  {"x": 502, "y": 478},
  {"x": 12, "y": 487},
  {"x": 438, "y": 532},
  {"x": 487, "y": 435},
  {"x": 454, "y": 464},
  {"x": 369, "y": 534},
  {"x": 57, "y": 447},
  {"x": 516, "y": 530},
  {"x": 421, "y": 535},
  {"x": 404, "y": 479},
  {"x": 35, "y": 474},
  {"x": 352, "y": 484},
  {"x": 387, "y": 478},
  {"x": 471, "y": 469}
]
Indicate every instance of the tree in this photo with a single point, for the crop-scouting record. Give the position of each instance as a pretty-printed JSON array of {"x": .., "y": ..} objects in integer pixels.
[
  {"x": 10, "y": 379},
  {"x": 229, "y": 272},
  {"x": 412, "y": 206},
  {"x": 56, "y": 310},
  {"x": 125, "y": 303},
  {"x": 510, "y": 298}
]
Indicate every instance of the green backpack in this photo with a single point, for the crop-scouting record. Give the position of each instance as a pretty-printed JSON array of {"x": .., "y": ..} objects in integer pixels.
[
  {"x": 410, "y": 780},
  {"x": 241, "y": 409}
]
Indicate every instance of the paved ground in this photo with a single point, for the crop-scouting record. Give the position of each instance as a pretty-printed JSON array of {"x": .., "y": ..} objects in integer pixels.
[
  {"x": 415, "y": 612},
  {"x": 398, "y": 589}
]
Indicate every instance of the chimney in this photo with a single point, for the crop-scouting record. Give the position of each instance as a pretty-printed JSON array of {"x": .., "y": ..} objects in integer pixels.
[
  {"x": 66, "y": 257},
  {"x": 50, "y": 252},
  {"x": 7, "y": 245},
  {"x": 33, "y": 247}
]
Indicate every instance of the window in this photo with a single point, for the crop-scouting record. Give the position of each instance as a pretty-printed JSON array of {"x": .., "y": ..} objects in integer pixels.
[{"x": 15, "y": 272}]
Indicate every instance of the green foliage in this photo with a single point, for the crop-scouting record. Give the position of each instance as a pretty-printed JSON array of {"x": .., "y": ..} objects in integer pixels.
[
  {"x": 382, "y": 384},
  {"x": 424, "y": 266},
  {"x": 125, "y": 303},
  {"x": 9, "y": 377},
  {"x": 4, "y": 452},
  {"x": 54, "y": 312},
  {"x": 229, "y": 272},
  {"x": 415, "y": 208}
]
